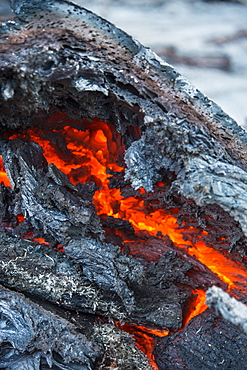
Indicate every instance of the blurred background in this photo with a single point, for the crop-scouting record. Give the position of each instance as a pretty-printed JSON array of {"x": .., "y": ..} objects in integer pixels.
[{"x": 205, "y": 40}]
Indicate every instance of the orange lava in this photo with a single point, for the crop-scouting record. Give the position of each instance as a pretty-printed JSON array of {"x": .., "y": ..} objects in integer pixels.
[
  {"x": 144, "y": 338},
  {"x": 196, "y": 306},
  {"x": 41, "y": 241},
  {"x": 157, "y": 332},
  {"x": 3, "y": 175},
  {"x": 89, "y": 155},
  {"x": 20, "y": 218}
]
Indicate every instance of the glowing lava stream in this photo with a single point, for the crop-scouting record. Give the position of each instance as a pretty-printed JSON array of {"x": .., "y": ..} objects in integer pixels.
[
  {"x": 231, "y": 272},
  {"x": 89, "y": 155}
]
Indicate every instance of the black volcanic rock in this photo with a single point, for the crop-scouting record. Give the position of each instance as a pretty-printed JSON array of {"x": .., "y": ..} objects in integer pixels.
[{"x": 207, "y": 342}]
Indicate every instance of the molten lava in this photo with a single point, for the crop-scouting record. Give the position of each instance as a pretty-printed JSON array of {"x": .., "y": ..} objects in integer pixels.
[
  {"x": 94, "y": 153},
  {"x": 196, "y": 306},
  {"x": 145, "y": 339},
  {"x": 90, "y": 155},
  {"x": 3, "y": 176}
]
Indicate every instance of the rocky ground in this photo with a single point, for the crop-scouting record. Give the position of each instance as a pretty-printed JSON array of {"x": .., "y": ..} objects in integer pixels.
[{"x": 205, "y": 40}]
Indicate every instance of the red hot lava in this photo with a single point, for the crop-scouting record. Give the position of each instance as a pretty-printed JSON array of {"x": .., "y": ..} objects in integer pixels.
[
  {"x": 91, "y": 151},
  {"x": 3, "y": 175}
]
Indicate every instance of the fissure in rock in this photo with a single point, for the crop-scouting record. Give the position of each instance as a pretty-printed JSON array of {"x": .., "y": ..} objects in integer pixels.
[{"x": 122, "y": 201}]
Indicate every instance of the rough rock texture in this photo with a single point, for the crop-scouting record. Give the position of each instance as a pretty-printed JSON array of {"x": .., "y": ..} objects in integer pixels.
[
  {"x": 97, "y": 279},
  {"x": 232, "y": 310},
  {"x": 34, "y": 338},
  {"x": 205, "y": 171},
  {"x": 50, "y": 201},
  {"x": 207, "y": 343},
  {"x": 64, "y": 55}
]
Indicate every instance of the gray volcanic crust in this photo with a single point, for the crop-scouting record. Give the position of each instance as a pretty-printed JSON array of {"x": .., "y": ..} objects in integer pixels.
[{"x": 185, "y": 132}]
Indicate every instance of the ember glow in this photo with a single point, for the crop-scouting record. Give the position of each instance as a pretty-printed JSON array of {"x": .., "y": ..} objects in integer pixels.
[
  {"x": 145, "y": 339},
  {"x": 3, "y": 176},
  {"x": 196, "y": 306},
  {"x": 90, "y": 155},
  {"x": 94, "y": 153}
]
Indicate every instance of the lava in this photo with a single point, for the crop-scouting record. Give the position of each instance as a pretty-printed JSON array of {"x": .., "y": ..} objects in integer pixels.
[
  {"x": 197, "y": 305},
  {"x": 3, "y": 175},
  {"x": 90, "y": 155},
  {"x": 144, "y": 338},
  {"x": 94, "y": 153}
]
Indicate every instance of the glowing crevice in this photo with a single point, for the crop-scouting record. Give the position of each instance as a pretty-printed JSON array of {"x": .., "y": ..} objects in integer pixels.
[
  {"x": 3, "y": 175},
  {"x": 89, "y": 155}
]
